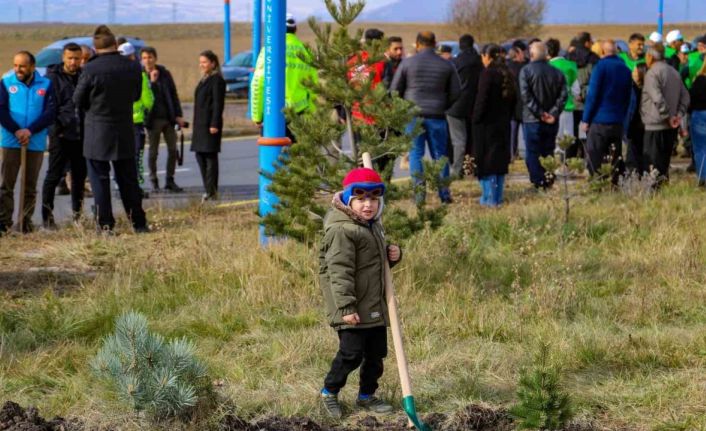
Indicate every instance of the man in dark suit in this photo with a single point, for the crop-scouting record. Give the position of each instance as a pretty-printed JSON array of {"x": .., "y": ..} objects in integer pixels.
[{"x": 108, "y": 87}]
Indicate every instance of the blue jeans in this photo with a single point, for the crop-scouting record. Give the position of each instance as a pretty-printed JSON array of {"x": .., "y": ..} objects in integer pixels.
[
  {"x": 492, "y": 187},
  {"x": 540, "y": 140},
  {"x": 698, "y": 142},
  {"x": 435, "y": 133}
]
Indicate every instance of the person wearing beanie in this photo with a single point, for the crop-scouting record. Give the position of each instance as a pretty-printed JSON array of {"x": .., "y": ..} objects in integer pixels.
[
  {"x": 352, "y": 264},
  {"x": 674, "y": 41}
]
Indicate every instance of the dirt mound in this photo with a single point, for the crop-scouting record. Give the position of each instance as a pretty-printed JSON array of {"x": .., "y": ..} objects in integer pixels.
[
  {"x": 15, "y": 418},
  {"x": 474, "y": 417}
]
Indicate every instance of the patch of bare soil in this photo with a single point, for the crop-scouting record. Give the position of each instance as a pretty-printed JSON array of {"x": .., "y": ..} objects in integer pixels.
[
  {"x": 15, "y": 418},
  {"x": 473, "y": 418},
  {"x": 17, "y": 284}
]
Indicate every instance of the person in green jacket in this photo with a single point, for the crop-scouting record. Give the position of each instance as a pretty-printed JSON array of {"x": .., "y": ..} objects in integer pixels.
[
  {"x": 139, "y": 111},
  {"x": 694, "y": 62},
  {"x": 570, "y": 71},
  {"x": 297, "y": 96},
  {"x": 352, "y": 278},
  {"x": 636, "y": 51}
]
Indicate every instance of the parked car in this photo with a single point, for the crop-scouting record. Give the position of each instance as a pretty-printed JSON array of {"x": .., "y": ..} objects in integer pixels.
[
  {"x": 51, "y": 54},
  {"x": 453, "y": 44},
  {"x": 236, "y": 73}
]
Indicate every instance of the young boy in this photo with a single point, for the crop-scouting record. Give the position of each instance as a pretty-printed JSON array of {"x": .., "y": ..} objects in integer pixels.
[{"x": 352, "y": 279}]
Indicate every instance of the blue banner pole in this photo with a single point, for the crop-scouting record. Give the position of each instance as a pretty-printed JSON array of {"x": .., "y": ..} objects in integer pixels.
[
  {"x": 226, "y": 32},
  {"x": 660, "y": 18},
  {"x": 256, "y": 43},
  {"x": 274, "y": 137}
]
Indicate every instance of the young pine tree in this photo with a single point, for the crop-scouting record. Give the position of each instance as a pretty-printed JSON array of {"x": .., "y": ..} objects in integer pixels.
[
  {"x": 352, "y": 116},
  {"x": 542, "y": 403},
  {"x": 164, "y": 379}
]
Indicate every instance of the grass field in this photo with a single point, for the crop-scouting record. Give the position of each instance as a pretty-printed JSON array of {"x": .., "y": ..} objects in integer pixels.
[
  {"x": 179, "y": 45},
  {"x": 618, "y": 293}
]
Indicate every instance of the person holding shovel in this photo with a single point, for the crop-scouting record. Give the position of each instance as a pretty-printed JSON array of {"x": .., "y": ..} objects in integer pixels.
[
  {"x": 27, "y": 109},
  {"x": 352, "y": 264}
]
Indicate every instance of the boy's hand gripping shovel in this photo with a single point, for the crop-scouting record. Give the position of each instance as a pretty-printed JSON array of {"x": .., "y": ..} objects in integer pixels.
[{"x": 396, "y": 328}]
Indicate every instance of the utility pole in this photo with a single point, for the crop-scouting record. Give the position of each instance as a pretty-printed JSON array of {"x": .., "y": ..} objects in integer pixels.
[
  {"x": 226, "y": 32},
  {"x": 174, "y": 12},
  {"x": 688, "y": 11},
  {"x": 45, "y": 15},
  {"x": 111, "y": 11},
  {"x": 19, "y": 14},
  {"x": 602, "y": 11}
]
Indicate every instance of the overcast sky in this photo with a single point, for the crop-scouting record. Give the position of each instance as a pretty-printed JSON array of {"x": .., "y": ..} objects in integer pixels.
[{"x": 153, "y": 11}]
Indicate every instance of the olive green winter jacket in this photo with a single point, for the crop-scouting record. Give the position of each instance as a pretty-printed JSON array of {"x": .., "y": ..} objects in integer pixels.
[{"x": 351, "y": 271}]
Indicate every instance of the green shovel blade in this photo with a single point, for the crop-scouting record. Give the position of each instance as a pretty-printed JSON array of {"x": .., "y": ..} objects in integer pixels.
[{"x": 411, "y": 410}]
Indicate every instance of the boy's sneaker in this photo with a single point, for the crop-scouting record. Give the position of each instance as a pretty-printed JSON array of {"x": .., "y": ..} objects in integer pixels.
[
  {"x": 331, "y": 406},
  {"x": 374, "y": 404}
]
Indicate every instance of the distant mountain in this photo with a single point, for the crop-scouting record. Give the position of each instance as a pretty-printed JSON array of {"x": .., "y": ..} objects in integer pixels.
[{"x": 558, "y": 11}]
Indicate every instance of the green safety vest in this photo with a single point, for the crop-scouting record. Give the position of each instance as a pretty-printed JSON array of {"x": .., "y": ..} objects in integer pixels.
[
  {"x": 571, "y": 72},
  {"x": 669, "y": 52},
  {"x": 695, "y": 62},
  {"x": 146, "y": 102},
  {"x": 296, "y": 96},
  {"x": 629, "y": 62}
]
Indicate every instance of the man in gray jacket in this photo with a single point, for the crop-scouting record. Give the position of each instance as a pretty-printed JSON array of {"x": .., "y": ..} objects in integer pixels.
[
  {"x": 664, "y": 103},
  {"x": 544, "y": 93},
  {"x": 432, "y": 84}
]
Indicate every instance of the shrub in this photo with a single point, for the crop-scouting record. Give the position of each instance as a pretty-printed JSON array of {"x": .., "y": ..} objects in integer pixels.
[
  {"x": 162, "y": 378},
  {"x": 497, "y": 20}
]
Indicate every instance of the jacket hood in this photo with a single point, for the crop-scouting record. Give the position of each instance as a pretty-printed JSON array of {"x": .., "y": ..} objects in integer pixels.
[{"x": 345, "y": 213}]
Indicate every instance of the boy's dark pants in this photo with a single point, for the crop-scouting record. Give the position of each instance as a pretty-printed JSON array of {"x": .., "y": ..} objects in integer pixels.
[{"x": 364, "y": 348}]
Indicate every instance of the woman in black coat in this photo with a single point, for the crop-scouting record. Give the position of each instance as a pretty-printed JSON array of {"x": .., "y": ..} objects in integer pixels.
[
  {"x": 493, "y": 110},
  {"x": 209, "y": 102}
]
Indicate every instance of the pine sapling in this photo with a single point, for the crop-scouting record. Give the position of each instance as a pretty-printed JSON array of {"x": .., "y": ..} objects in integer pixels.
[
  {"x": 162, "y": 378},
  {"x": 561, "y": 166},
  {"x": 352, "y": 116},
  {"x": 543, "y": 405}
]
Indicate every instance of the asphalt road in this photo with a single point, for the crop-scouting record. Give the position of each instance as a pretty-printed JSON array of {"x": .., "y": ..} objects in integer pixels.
[{"x": 238, "y": 181}]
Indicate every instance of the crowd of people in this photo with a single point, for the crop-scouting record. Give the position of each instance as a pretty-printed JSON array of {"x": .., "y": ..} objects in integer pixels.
[
  {"x": 103, "y": 103},
  {"x": 96, "y": 109},
  {"x": 623, "y": 108}
]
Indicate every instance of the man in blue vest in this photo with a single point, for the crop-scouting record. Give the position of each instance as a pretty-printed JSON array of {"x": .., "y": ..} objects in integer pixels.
[{"x": 27, "y": 109}]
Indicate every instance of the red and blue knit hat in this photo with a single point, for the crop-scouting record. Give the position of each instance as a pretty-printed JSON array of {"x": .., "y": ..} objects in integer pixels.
[{"x": 360, "y": 178}]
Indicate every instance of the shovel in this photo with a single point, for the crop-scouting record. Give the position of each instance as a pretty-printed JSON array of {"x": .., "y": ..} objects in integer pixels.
[
  {"x": 396, "y": 328},
  {"x": 23, "y": 185}
]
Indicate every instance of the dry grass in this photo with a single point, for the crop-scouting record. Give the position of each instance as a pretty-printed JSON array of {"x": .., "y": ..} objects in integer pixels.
[{"x": 618, "y": 293}]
